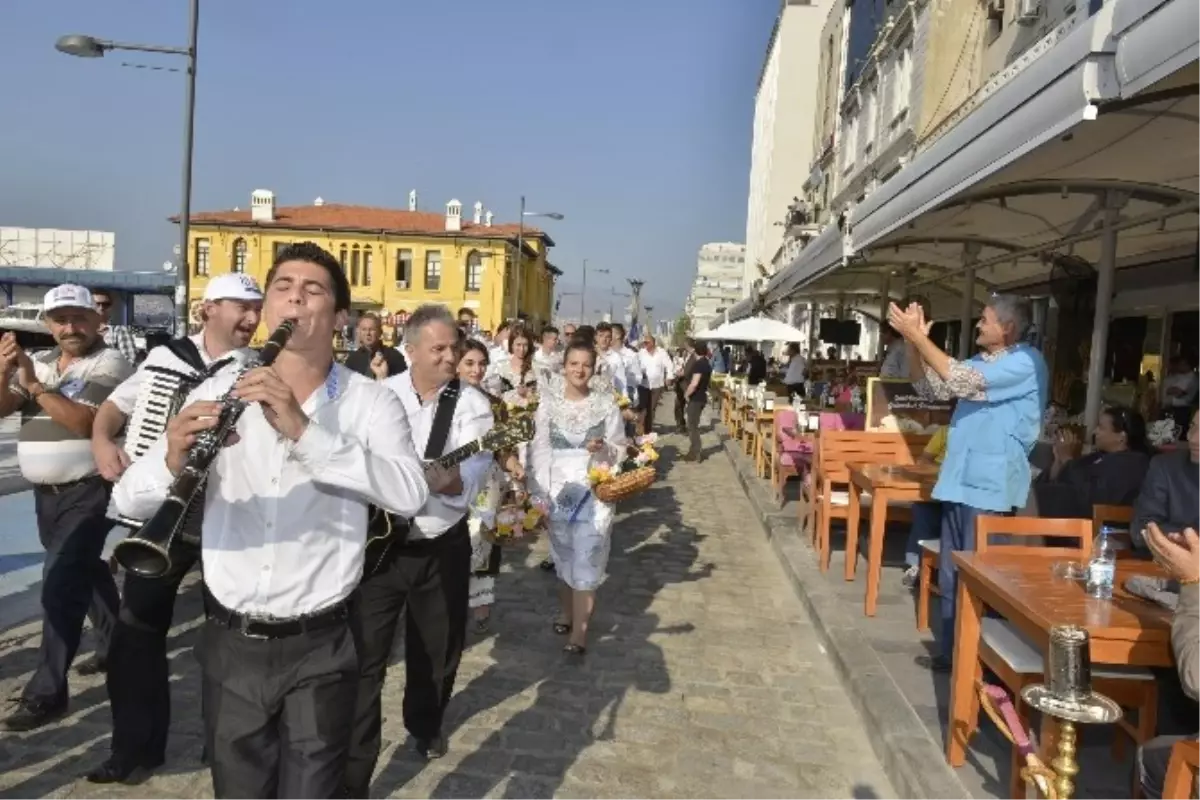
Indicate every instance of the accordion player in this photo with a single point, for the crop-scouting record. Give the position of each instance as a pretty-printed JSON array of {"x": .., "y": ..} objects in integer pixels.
[{"x": 155, "y": 394}]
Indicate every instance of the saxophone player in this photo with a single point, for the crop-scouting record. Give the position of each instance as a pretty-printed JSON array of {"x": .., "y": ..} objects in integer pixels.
[
  {"x": 284, "y": 531},
  {"x": 138, "y": 675}
]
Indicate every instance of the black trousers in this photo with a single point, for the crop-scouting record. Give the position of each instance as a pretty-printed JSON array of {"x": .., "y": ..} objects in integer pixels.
[
  {"x": 138, "y": 674},
  {"x": 72, "y": 528},
  {"x": 429, "y": 580},
  {"x": 278, "y": 712},
  {"x": 695, "y": 408},
  {"x": 680, "y": 407}
]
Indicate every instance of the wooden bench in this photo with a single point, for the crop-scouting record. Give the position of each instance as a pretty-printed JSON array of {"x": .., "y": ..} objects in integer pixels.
[{"x": 829, "y": 491}]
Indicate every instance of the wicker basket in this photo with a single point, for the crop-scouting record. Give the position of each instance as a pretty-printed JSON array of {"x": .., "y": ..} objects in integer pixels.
[{"x": 625, "y": 485}]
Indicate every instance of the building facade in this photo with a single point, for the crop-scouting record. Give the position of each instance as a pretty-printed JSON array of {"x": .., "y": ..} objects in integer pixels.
[
  {"x": 395, "y": 260},
  {"x": 720, "y": 269},
  {"x": 781, "y": 149}
]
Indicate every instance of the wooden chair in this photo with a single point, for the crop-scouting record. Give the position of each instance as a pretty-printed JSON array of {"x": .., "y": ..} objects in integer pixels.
[
  {"x": 786, "y": 457},
  {"x": 1182, "y": 770},
  {"x": 836, "y": 450},
  {"x": 1017, "y": 662}
]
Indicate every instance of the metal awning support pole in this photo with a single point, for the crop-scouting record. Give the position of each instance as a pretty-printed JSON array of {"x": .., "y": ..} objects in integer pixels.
[
  {"x": 884, "y": 300},
  {"x": 970, "y": 256},
  {"x": 814, "y": 324},
  {"x": 1104, "y": 292}
]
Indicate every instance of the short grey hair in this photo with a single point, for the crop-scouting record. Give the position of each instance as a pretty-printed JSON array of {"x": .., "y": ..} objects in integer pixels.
[
  {"x": 426, "y": 315},
  {"x": 1011, "y": 309}
]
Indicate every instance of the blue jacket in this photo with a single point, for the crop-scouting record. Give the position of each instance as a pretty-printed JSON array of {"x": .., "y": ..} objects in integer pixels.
[{"x": 987, "y": 453}]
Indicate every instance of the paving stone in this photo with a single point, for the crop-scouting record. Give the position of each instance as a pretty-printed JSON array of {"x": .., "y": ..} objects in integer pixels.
[{"x": 704, "y": 678}]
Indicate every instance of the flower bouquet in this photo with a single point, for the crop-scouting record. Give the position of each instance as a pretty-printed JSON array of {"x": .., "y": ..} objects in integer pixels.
[
  {"x": 613, "y": 482},
  {"x": 521, "y": 518},
  {"x": 518, "y": 402},
  {"x": 1162, "y": 432}
]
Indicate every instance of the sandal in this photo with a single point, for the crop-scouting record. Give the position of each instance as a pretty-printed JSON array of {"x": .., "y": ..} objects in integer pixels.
[
  {"x": 574, "y": 649},
  {"x": 562, "y": 628}
]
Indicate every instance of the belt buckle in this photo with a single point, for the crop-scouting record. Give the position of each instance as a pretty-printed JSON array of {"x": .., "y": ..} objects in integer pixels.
[{"x": 244, "y": 625}]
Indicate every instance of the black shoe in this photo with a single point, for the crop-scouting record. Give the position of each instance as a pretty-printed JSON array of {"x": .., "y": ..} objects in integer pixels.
[
  {"x": 938, "y": 664},
  {"x": 32, "y": 714},
  {"x": 547, "y": 565},
  {"x": 119, "y": 770},
  {"x": 93, "y": 666},
  {"x": 431, "y": 748}
]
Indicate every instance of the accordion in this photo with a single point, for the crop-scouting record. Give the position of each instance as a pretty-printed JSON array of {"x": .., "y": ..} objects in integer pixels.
[{"x": 160, "y": 397}]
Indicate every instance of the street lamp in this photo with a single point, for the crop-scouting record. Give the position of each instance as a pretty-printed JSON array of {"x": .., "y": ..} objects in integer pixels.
[
  {"x": 91, "y": 47},
  {"x": 583, "y": 292},
  {"x": 520, "y": 245}
]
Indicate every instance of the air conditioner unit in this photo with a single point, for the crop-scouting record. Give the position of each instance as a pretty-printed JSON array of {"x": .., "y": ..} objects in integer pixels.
[
  {"x": 1028, "y": 11},
  {"x": 401, "y": 284}
]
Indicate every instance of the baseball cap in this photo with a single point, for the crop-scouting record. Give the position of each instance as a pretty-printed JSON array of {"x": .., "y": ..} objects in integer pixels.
[
  {"x": 69, "y": 295},
  {"x": 232, "y": 287}
]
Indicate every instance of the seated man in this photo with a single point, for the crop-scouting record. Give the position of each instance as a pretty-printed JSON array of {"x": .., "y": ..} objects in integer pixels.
[{"x": 1170, "y": 493}]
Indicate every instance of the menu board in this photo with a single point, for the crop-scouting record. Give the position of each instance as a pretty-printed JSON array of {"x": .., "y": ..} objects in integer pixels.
[{"x": 894, "y": 405}]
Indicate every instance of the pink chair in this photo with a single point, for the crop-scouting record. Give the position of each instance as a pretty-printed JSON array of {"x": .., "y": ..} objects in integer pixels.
[{"x": 790, "y": 455}]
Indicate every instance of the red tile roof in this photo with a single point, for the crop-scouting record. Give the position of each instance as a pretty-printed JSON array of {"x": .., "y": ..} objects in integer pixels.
[{"x": 336, "y": 216}]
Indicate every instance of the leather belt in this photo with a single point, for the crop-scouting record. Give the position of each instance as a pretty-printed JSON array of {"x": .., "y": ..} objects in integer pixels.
[
  {"x": 254, "y": 626},
  {"x": 59, "y": 488}
]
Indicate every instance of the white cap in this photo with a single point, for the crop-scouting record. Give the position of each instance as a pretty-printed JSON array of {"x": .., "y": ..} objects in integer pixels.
[
  {"x": 232, "y": 286},
  {"x": 69, "y": 295}
]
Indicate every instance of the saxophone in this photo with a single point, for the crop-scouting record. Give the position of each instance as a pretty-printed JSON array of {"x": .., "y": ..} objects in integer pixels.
[{"x": 146, "y": 552}]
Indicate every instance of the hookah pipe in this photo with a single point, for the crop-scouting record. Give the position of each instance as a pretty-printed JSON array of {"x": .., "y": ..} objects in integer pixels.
[{"x": 999, "y": 707}]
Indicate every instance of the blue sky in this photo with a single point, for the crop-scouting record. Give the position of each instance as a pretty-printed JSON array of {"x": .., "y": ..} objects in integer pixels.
[{"x": 631, "y": 117}]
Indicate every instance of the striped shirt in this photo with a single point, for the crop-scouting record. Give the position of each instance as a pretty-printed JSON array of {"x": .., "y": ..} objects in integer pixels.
[
  {"x": 47, "y": 451},
  {"x": 121, "y": 337}
]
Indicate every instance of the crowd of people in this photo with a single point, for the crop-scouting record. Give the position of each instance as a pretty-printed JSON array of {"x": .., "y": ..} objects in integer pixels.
[{"x": 336, "y": 506}]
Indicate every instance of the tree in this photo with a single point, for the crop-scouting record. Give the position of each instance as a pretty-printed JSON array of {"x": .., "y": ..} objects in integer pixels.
[{"x": 683, "y": 329}]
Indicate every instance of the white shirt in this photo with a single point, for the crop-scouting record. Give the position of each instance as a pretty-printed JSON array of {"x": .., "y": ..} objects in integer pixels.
[
  {"x": 615, "y": 369},
  {"x": 1183, "y": 380},
  {"x": 285, "y": 523},
  {"x": 472, "y": 419},
  {"x": 795, "y": 370},
  {"x": 656, "y": 368},
  {"x": 551, "y": 362},
  {"x": 125, "y": 396},
  {"x": 633, "y": 366}
]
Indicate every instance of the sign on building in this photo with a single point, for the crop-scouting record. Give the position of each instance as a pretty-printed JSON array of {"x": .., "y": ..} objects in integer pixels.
[{"x": 50, "y": 247}]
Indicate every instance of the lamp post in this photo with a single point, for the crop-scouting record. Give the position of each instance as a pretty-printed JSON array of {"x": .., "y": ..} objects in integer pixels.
[
  {"x": 91, "y": 47},
  {"x": 520, "y": 250},
  {"x": 613, "y": 294},
  {"x": 583, "y": 291}
]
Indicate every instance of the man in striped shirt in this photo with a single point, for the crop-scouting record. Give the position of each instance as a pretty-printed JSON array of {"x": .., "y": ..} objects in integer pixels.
[
  {"x": 57, "y": 393},
  {"x": 119, "y": 337}
]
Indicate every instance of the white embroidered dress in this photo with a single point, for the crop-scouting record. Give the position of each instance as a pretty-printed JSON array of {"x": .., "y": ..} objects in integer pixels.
[{"x": 559, "y": 460}]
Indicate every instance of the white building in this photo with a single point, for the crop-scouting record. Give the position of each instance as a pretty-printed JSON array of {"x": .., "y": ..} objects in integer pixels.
[
  {"x": 782, "y": 149},
  {"x": 720, "y": 268}
]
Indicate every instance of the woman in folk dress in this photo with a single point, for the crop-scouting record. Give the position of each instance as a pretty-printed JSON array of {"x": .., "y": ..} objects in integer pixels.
[
  {"x": 576, "y": 425},
  {"x": 515, "y": 373},
  {"x": 485, "y": 556}
]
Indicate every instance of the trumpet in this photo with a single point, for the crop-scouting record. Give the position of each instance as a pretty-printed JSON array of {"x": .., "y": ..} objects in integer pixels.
[{"x": 146, "y": 552}]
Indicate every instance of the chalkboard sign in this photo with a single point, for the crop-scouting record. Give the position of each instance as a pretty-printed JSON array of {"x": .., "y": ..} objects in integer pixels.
[{"x": 894, "y": 405}]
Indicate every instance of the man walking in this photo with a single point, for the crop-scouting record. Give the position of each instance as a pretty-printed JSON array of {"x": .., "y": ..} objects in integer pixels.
[
  {"x": 57, "y": 393},
  {"x": 657, "y": 370},
  {"x": 695, "y": 396}
]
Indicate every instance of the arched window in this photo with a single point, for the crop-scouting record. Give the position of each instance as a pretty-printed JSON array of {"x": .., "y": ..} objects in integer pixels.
[
  {"x": 474, "y": 271},
  {"x": 355, "y": 256},
  {"x": 240, "y": 255},
  {"x": 366, "y": 265},
  {"x": 342, "y": 257}
]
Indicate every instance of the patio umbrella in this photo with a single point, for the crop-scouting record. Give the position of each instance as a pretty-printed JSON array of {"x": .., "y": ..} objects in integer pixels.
[{"x": 755, "y": 329}]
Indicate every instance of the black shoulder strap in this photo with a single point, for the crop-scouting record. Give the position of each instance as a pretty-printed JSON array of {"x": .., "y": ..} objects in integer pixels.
[
  {"x": 186, "y": 351},
  {"x": 439, "y": 432}
]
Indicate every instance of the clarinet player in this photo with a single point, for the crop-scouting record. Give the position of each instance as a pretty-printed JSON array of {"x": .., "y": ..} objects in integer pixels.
[
  {"x": 284, "y": 531},
  {"x": 138, "y": 675}
]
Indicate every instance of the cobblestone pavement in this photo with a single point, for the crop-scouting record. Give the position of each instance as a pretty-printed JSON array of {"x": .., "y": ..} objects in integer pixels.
[{"x": 704, "y": 678}]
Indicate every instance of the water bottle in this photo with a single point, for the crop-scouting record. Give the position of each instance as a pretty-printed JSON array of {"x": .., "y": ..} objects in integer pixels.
[{"x": 1102, "y": 569}]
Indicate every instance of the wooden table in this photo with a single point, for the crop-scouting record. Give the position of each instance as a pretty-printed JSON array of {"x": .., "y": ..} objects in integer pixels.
[
  {"x": 887, "y": 483},
  {"x": 1124, "y": 631},
  {"x": 764, "y": 426}
]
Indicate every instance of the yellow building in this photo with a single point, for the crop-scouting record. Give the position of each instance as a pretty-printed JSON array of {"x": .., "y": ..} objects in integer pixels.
[{"x": 395, "y": 260}]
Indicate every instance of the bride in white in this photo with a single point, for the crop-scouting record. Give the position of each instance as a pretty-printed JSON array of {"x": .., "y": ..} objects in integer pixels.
[{"x": 576, "y": 425}]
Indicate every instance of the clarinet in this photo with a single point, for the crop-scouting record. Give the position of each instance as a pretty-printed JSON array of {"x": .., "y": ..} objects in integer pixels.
[{"x": 147, "y": 552}]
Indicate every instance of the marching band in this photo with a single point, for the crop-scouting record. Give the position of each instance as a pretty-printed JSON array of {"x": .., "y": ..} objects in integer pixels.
[{"x": 321, "y": 501}]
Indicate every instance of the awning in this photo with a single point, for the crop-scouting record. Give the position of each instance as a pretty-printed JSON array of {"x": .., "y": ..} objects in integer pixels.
[
  {"x": 823, "y": 252},
  {"x": 741, "y": 310},
  {"x": 1155, "y": 39},
  {"x": 1055, "y": 91}
]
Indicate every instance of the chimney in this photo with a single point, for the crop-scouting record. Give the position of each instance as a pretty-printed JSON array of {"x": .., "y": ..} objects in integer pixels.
[
  {"x": 478, "y": 212},
  {"x": 454, "y": 216},
  {"x": 412, "y": 200},
  {"x": 320, "y": 201},
  {"x": 487, "y": 219},
  {"x": 262, "y": 205}
]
